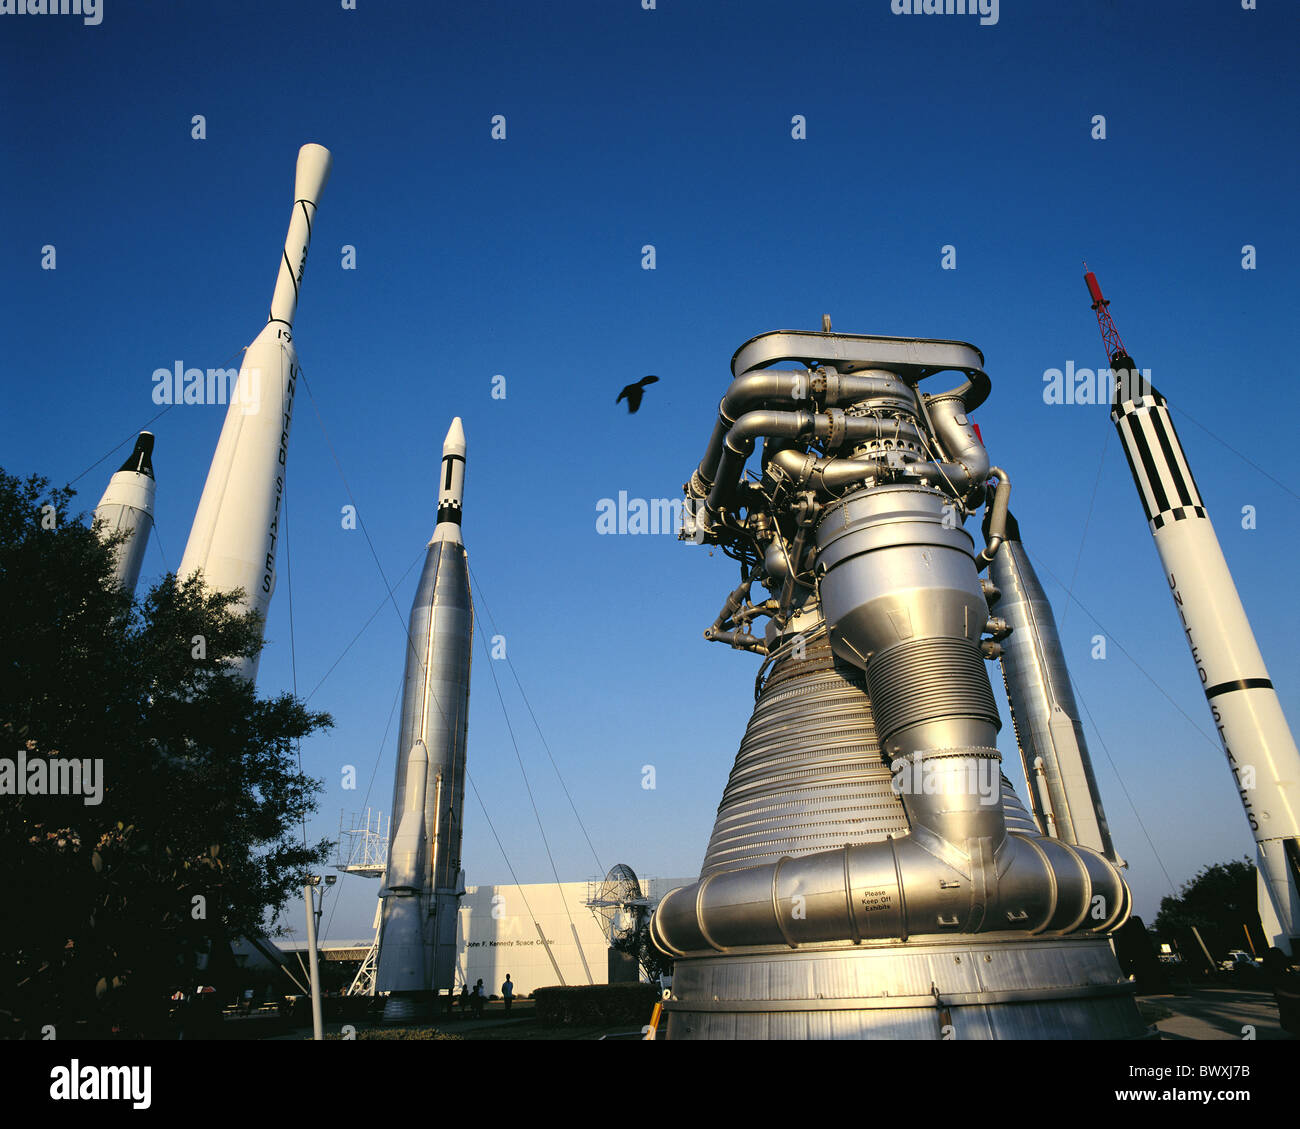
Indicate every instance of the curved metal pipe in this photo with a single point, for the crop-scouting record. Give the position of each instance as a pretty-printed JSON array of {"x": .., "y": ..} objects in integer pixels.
[
  {"x": 831, "y": 475},
  {"x": 741, "y": 640},
  {"x": 733, "y": 603},
  {"x": 948, "y": 417},
  {"x": 740, "y": 444},
  {"x": 759, "y": 387},
  {"x": 997, "y": 528},
  {"x": 897, "y": 889},
  {"x": 972, "y": 392}
]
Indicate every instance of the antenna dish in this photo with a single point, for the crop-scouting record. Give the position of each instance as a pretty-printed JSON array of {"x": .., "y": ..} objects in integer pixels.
[{"x": 618, "y": 904}]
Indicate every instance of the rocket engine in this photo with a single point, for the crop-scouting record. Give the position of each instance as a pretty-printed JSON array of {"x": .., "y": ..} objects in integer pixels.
[{"x": 872, "y": 874}]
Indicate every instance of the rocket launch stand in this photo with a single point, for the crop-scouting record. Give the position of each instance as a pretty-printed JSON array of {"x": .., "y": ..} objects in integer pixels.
[{"x": 366, "y": 853}]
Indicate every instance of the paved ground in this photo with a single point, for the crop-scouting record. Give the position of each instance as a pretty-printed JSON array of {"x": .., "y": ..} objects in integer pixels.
[
  {"x": 1213, "y": 1013},
  {"x": 1219, "y": 1013},
  {"x": 489, "y": 1028}
]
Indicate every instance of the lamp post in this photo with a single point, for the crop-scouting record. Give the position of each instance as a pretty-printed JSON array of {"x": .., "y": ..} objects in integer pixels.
[{"x": 313, "y": 960}]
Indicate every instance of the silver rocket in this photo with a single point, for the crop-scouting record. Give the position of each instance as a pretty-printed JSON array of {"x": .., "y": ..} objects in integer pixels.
[
  {"x": 424, "y": 881},
  {"x": 237, "y": 524},
  {"x": 1063, "y": 790},
  {"x": 1247, "y": 714},
  {"x": 127, "y": 505}
]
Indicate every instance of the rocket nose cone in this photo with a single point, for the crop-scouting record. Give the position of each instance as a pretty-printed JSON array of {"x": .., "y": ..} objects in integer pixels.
[
  {"x": 314, "y": 164},
  {"x": 454, "y": 444},
  {"x": 140, "y": 459}
]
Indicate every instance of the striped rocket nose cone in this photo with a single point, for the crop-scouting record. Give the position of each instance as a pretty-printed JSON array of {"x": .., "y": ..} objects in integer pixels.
[
  {"x": 1157, "y": 462},
  {"x": 451, "y": 485}
]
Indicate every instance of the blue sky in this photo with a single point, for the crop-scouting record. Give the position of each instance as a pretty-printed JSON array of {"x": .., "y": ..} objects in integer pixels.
[{"x": 522, "y": 258}]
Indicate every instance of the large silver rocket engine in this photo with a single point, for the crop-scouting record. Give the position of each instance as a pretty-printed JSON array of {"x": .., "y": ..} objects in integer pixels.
[{"x": 872, "y": 873}]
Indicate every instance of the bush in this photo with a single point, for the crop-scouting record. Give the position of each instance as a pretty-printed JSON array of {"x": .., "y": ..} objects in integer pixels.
[
  {"x": 405, "y": 1034},
  {"x": 596, "y": 1003}
]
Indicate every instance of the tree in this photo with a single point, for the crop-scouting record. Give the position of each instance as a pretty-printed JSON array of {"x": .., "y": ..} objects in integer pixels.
[
  {"x": 1218, "y": 902},
  {"x": 111, "y": 898}
]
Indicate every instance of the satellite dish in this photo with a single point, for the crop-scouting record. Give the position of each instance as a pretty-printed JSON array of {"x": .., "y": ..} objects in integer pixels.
[{"x": 619, "y": 905}]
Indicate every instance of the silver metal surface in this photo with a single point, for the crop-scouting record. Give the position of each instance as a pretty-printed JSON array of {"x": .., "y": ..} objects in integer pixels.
[
  {"x": 1048, "y": 729},
  {"x": 990, "y": 988},
  {"x": 430, "y": 777},
  {"x": 848, "y": 352},
  {"x": 809, "y": 774},
  {"x": 867, "y": 842},
  {"x": 915, "y": 853}
]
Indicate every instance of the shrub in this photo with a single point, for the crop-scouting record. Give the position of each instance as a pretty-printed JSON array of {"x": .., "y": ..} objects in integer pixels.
[{"x": 596, "y": 1003}]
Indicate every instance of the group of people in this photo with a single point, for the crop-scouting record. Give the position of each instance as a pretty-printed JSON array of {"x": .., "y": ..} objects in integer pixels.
[{"x": 473, "y": 999}]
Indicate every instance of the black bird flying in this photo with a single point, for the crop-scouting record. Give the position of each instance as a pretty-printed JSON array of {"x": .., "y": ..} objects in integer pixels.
[{"x": 634, "y": 392}]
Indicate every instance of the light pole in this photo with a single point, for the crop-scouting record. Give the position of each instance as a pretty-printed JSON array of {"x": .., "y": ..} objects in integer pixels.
[{"x": 313, "y": 960}]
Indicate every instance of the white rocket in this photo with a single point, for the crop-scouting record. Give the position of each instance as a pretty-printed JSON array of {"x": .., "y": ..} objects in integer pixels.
[
  {"x": 237, "y": 525},
  {"x": 1260, "y": 749},
  {"x": 424, "y": 881},
  {"x": 127, "y": 505}
]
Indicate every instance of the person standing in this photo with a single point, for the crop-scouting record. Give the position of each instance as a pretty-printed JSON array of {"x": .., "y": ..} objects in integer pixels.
[
  {"x": 508, "y": 992},
  {"x": 480, "y": 998}
]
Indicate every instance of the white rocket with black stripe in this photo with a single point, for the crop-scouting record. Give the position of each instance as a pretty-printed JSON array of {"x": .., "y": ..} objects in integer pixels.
[
  {"x": 237, "y": 526},
  {"x": 127, "y": 507},
  {"x": 1260, "y": 749}
]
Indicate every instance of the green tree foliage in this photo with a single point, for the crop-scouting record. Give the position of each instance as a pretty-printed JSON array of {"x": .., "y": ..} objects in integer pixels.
[
  {"x": 193, "y": 843},
  {"x": 1218, "y": 902}
]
